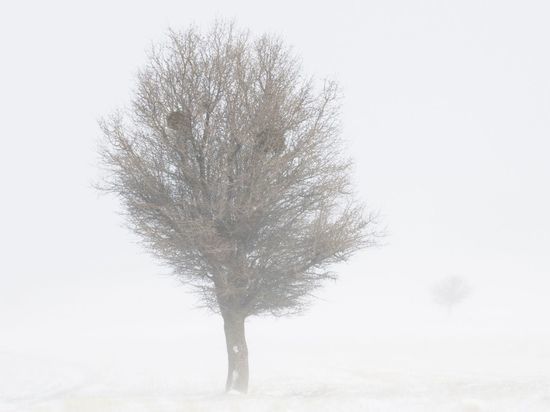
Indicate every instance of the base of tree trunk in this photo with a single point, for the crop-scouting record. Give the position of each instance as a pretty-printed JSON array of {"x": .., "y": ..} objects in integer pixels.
[{"x": 237, "y": 353}]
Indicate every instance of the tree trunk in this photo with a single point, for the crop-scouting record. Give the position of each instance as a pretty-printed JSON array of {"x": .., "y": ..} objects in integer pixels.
[{"x": 237, "y": 353}]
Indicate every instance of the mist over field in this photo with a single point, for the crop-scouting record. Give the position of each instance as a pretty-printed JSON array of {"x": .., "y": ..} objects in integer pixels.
[{"x": 446, "y": 116}]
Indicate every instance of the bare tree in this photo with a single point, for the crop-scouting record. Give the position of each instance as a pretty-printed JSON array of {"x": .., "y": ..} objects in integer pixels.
[
  {"x": 451, "y": 291},
  {"x": 229, "y": 165}
]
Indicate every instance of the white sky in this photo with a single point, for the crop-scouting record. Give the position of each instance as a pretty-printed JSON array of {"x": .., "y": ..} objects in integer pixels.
[{"x": 446, "y": 110}]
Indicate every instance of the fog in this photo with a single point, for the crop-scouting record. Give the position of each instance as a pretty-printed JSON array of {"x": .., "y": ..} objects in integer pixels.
[{"x": 446, "y": 115}]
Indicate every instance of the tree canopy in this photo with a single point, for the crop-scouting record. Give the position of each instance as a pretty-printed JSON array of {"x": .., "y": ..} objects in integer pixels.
[{"x": 230, "y": 168}]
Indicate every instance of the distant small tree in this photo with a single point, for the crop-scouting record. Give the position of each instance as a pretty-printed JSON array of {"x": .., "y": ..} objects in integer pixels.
[
  {"x": 450, "y": 292},
  {"x": 229, "y": 166}
]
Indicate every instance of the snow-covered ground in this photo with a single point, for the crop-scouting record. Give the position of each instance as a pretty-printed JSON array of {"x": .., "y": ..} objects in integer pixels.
[
  {"x": 407, "y": 373},
  {"x": 364, "y": 348}
]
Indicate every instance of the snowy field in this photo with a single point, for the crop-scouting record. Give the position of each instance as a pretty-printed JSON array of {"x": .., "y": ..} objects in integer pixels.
[{"x": 440, "y": 374}]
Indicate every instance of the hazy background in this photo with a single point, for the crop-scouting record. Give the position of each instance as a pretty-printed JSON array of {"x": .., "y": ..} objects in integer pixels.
[{"x": 446, "y": 112}]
